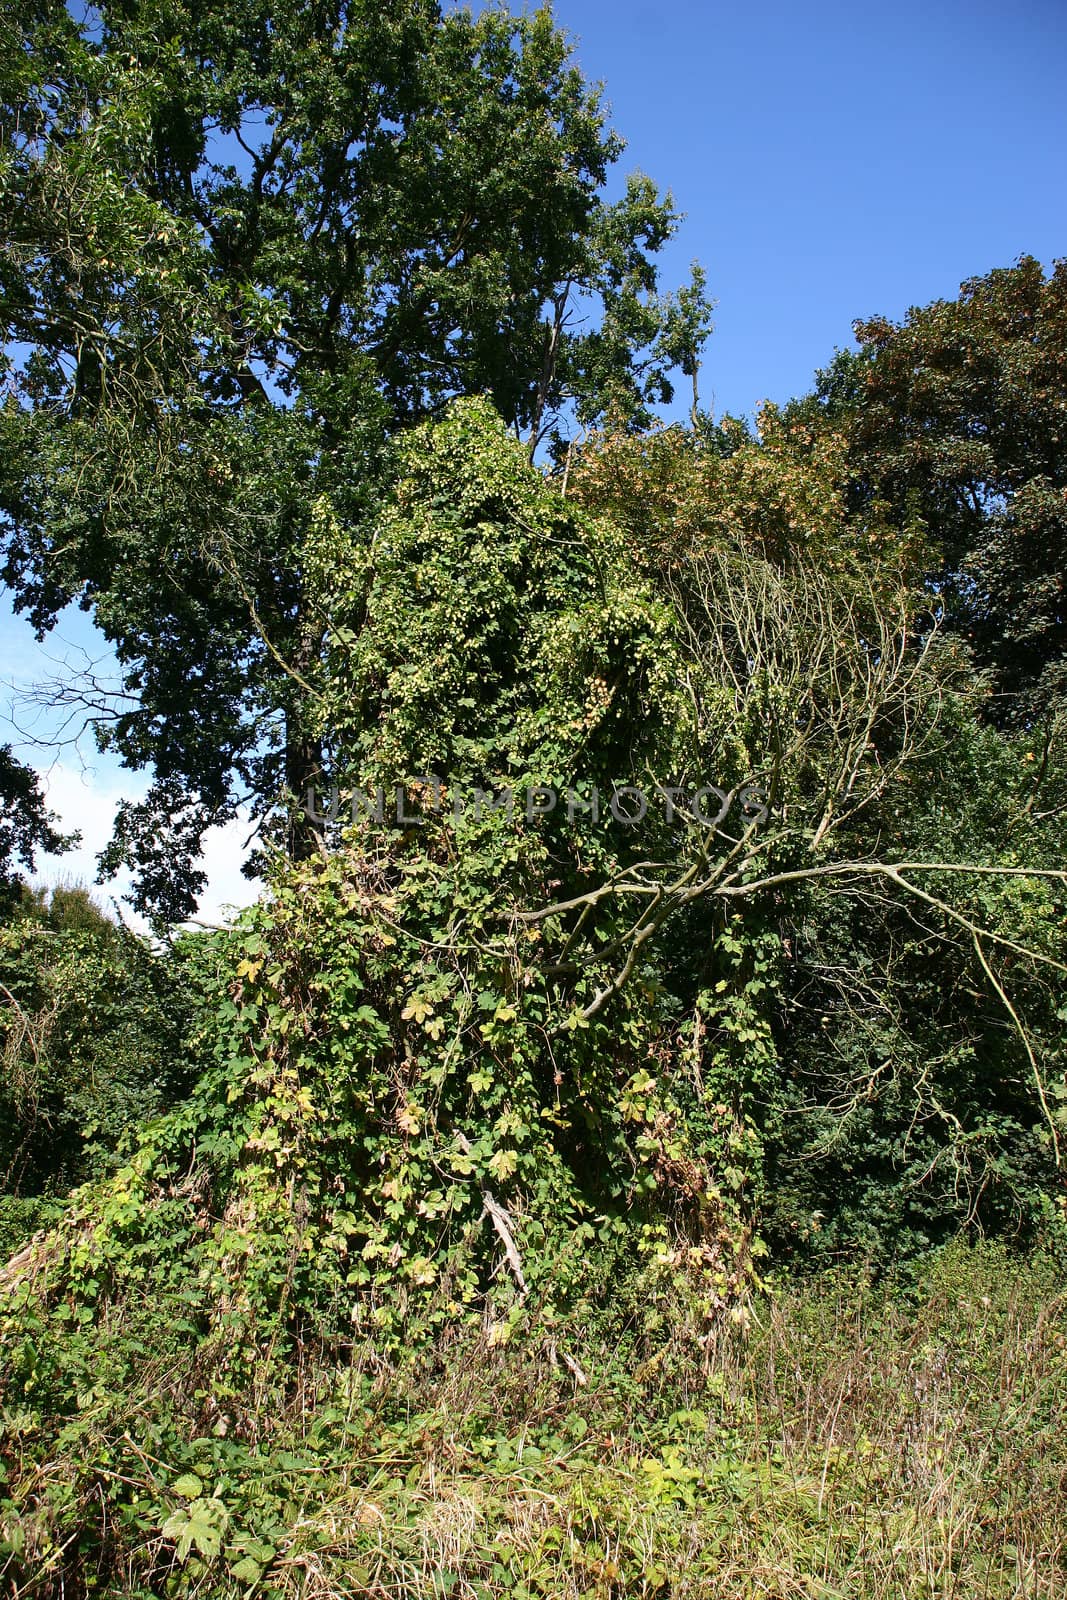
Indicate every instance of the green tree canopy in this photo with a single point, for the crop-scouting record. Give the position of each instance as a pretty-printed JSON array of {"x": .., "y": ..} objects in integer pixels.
[
  {"x": 26, "y": 825},
  {"x": 243, "y": 246},
  {"x": 93, "y": 1026},
  {"x": 957, "y": 425}
]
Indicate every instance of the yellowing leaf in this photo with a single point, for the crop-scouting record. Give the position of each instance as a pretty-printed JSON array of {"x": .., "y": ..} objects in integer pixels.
[
  {"x": 417, "y": 1008},
  {"x": 503, "y": 1164},
  {"x": 408, "y": 1119}
]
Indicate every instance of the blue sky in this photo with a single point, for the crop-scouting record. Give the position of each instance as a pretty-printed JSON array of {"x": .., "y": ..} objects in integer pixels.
[{"x": 835, "y": 161}]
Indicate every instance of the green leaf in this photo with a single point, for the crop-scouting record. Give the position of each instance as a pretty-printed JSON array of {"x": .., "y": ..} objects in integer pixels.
[
  {"x": 188, "y": 1486},
  {"x": 248, "y": 1570}
]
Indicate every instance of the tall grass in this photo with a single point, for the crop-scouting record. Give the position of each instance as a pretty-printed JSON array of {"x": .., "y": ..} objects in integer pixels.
[{"x": 841, "y": 1441}]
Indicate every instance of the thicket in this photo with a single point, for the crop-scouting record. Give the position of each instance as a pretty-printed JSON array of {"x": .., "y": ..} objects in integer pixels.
[
  {"x": 503, "y": 1079},
  {"x": 94, "y": 1030},
  {"x": 431, "y": 1229}
]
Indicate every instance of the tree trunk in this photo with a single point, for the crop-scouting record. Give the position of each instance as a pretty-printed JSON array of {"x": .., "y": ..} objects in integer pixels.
[{"x": 303, "y": 772}]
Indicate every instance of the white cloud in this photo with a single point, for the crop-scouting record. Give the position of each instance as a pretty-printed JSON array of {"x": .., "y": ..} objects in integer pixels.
[
  {"x": 87, "y": 799},
  {"x": 84, "y": 786},
  {"x": 225, "y": 850}
]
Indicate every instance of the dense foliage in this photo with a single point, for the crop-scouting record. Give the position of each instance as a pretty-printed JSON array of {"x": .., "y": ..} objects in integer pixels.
[
  {"x": 668, "y": 891},
  {"x": 93, "y": 1034},
  {"x": 242, "y": 247},
  {"x": 955, "y": 421},
  {"x": 906, "y": 1097},
  {"x": 26, "y": 825},
  {"x": 480, "y": 1075}
]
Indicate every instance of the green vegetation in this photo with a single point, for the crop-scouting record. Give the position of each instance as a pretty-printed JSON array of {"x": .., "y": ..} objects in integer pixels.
[
  {"x": 246, "y": 245},
  {"x": 25, "y": 825},
  {"x": 94, "y": 1027},
  {"x": 533, "y": 1199},
  {"x": 842, "y": 1440}
]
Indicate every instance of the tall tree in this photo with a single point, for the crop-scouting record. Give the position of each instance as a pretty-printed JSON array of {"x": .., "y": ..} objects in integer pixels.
[
  {"x": 26, "y": 825},
  {"x": 957, "y": 424},
  {"x": 244, "y": 246}
]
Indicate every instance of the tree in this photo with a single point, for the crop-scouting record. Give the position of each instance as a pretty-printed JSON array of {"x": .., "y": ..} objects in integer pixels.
[
  {"x": 956, "y": 425},
  {"x": 909, "y": 1090},
  {"x": 244, "y": 247},
  {"x": 93, "y": 1027},
  {"x": 501, "y": 1032},
  {"x": 26, "y": 826},
  {"x": 487, "y": 1072}
]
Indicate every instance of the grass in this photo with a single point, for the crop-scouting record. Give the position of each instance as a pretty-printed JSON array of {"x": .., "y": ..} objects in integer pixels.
[{"x": 840, "y": 1441}]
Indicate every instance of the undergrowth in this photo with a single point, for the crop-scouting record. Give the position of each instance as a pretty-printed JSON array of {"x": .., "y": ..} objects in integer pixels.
[{"x": 835, "y": 1438}]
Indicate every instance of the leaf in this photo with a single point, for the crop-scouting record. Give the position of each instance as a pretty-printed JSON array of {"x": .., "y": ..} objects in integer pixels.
[
  {"x": 417, "y": 1008},
  {"x": 407, "y": 1119},
  {"x": 503, "y": 1164},
  {"x": 207, "y": 1521},
  {"x": 176, "y": 1527},
  {"x": 200, "y": 1527},
  {"x": 248, "y": 1570},
  {"x": 188, "y": 1486}
]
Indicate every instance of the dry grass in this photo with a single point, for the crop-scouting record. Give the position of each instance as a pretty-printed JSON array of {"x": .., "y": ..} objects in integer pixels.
[
  {"x": 846, "y": 1444},
  {"x": 848, "y": 1447}
]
